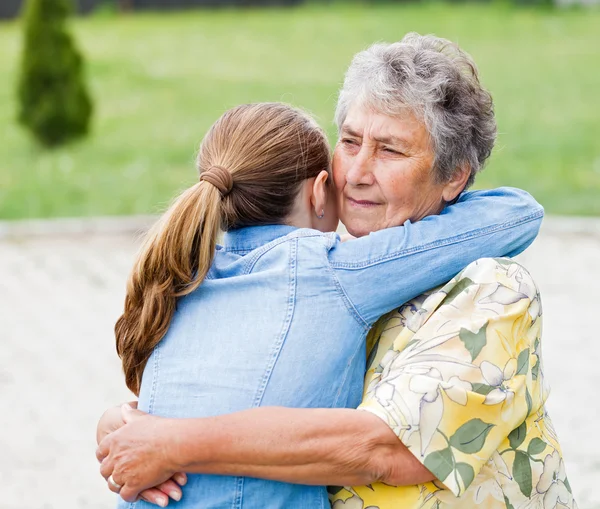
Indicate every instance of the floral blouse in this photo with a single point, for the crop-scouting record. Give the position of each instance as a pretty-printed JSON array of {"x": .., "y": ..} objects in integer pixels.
[{"x": 457, "y": 374}]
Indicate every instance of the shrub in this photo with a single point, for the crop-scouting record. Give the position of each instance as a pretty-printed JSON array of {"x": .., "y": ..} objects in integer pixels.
[{"x": 54, "y": 102}]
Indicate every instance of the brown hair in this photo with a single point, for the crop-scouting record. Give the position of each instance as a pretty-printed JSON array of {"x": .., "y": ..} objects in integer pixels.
[{"x": 268, "y": 150}]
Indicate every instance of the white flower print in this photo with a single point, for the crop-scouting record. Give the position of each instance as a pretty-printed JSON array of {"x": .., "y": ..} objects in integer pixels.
[
  {"x": 503, "y": 295},
  {"x": 488, "y": 488},
  {"x": 549, "y": 427},
  {"x": 495, "y": 471},
  {"x": 351, "y": 503},
  {"x": 498, "y": 465},
  {"x": 552, "y": 482},
  {"x": 495, "y": 377},
  {"x": 450, "y": 368},
  {"x": 528, "y": 287},
  {"x": 432, "y": 404}
]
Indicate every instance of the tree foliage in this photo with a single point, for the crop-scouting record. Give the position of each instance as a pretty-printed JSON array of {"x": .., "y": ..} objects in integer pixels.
[{"x": 54, "y": 102}]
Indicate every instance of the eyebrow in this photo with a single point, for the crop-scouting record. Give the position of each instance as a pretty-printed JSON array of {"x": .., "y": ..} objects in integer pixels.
[
  {"x": 351, "y": 132},
  {"x": 386, "y": 140}
]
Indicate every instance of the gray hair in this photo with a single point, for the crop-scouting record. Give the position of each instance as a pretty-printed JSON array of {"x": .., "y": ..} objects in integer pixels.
[{"x": 439, "y": 83}]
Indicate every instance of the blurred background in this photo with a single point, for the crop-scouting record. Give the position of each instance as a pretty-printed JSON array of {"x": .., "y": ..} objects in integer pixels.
[{"x": 150, "y": 77}]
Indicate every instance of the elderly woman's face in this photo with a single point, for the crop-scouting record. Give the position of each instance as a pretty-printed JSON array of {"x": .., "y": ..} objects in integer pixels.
[{"x": 382, "y": 168}]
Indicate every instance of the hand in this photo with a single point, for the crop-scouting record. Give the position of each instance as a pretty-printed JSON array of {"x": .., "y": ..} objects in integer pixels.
[
  {"x": 137, "y": 455},
  {"x": 159, "y": 495},
  {"x": 110, "y": 421}
]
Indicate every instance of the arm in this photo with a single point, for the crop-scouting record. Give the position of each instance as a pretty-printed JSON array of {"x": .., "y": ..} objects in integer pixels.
[
  {"x": 305, "y": 446},
  {"x": 382, "y": 270}
]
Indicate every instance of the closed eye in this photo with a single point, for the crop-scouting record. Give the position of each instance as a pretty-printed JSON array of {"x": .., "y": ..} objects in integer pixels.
[
  {"x": 349, "y": 141},
  {"x": 392, "y": 151}
]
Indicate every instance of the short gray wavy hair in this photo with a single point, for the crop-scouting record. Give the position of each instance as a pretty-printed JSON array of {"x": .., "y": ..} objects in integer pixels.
[{"x": 439, "y": 83}]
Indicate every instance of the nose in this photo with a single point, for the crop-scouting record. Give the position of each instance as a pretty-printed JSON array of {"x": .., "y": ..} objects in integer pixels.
[{"x": 360, "y": 171}]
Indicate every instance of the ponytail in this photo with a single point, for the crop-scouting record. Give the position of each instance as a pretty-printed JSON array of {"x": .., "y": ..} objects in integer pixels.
[
  {"x": 269, "y": 149},
  {"x": 173, "y": 261}
]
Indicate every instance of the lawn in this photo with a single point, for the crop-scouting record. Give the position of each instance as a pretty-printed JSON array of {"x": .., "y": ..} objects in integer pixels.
[{"x": 159, "y": 80}]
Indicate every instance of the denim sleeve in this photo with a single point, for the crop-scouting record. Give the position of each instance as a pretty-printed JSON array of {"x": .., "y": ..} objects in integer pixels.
[{"x": 384, "y": 269}]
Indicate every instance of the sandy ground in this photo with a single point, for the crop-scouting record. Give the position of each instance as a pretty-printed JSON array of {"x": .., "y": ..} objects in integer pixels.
[{"x": 60, "y": 296}]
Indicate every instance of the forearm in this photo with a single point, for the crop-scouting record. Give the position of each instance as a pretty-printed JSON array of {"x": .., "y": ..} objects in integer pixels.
[{"x": 305, "y": 446}]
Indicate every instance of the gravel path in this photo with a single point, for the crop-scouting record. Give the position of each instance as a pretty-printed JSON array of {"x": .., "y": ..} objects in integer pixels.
[{"x": 60, "y": 296}]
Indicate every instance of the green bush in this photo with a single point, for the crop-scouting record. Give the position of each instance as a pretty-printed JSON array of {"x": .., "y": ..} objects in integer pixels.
[{"x": 54, "y": 102}]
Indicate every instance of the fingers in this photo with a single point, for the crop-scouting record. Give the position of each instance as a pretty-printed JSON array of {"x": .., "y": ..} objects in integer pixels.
[
  {"x": 106, "y": 468},
  {"x": 155, "y": 496},
  {"x": 130, "y": 414},
  {"x": 113, "y": 485},
  {"x": 130, "y": 494},
  {"x": 180, "y": 478},
  {"x": 161, "y": 493},
  {"x": 110, "y": 421},
  {"x": 170, "y": 488},
  {"x": 100, "y": 455},
  {"x": 103, "y": 449},
  {"x": 116, "y": 485}
]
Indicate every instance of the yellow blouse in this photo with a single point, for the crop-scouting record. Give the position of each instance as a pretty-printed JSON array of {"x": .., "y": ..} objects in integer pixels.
[{"x": 457, "y": 375}]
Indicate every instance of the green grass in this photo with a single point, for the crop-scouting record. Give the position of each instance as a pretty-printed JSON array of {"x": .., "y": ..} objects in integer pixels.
[{"x": 159, "y": 80}]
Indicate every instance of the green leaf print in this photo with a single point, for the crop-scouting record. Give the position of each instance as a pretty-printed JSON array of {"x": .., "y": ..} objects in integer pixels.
[
  {"x": 528, "y": 400},
  {"x": 536, "y": 369},
  {"x": 411, "y": 342},
  {"x": 482, "y": 389},
  {"x": 536, "y": 446},
  {"x": 470, "y": 437},
  {"x": 508, "y": 504},
  {"x": 506, "y": 262},
  {"x": 466, "y": 472},
  {"x": 568, "y": 486},
  {"x": 440, "y": 463},
  {"x": 474, "y": 341},
  {"x": 517, "y": 435},
  {"x": 522, "y": 472},
  {"x": 523, "y": 362},
  {"x": 459, "y": 287}
]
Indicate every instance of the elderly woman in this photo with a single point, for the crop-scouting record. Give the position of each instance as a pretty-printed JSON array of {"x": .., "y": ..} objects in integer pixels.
[{"x": 453, "y": 410}]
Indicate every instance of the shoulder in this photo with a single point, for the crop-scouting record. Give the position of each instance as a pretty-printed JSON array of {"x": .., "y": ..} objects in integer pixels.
[
  {"x": 503, "y": 280},
  {"x": 500, "y": 270},
  {"x": 304, "y": 243}
]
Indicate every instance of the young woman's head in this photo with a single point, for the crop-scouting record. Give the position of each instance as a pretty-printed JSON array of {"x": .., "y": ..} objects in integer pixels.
[{"x": 259, "y": 164}]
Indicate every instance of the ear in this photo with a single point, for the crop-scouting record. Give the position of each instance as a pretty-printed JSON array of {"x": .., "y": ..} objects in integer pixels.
[
  {"x": 318, "y": 199},
  {"x": 457, "y": 184}
]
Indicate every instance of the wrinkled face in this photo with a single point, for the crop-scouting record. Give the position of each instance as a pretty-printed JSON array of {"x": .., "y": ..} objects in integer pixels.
[{"x": 382, "y": 168}]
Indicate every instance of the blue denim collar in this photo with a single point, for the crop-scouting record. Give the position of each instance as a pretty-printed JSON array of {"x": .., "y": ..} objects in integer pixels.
[{"x": 253, "y": 237}]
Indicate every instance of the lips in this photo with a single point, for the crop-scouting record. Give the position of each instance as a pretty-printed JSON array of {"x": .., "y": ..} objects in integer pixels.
[{"x": 361, "y": 203}]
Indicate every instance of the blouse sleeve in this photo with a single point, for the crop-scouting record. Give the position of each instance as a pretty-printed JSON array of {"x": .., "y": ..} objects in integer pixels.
[{"x": 457, "y": 380}]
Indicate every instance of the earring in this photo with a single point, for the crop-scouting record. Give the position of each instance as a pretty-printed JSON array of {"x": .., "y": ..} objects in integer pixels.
[{"x": 322, "y": 214}]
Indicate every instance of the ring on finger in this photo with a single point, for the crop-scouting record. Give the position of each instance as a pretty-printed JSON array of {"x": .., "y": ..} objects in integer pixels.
[{"x": 114, "y": 484}]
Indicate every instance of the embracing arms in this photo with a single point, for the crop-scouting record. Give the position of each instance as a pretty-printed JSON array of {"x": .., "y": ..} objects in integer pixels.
[
  {"x": 330, "y": 446},
  {"x": 305, "y": 446},
  {"x": 381, "y": 271}
]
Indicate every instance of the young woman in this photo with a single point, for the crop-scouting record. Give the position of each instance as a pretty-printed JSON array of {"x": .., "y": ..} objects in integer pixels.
[{"x": 278, "y": 314}]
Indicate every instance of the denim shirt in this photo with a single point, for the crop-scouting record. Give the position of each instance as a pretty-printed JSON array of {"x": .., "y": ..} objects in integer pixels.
[{"x": 282, "y": 317}]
